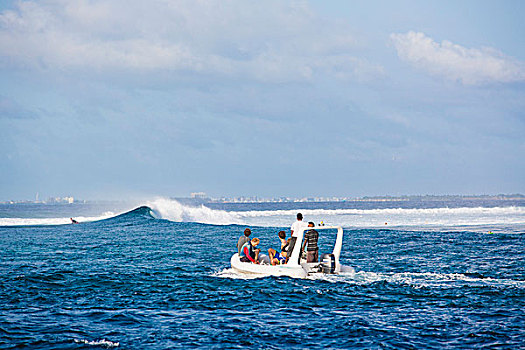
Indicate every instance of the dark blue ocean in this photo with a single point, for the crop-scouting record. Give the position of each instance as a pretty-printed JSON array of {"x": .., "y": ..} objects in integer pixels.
[{"x": 140, "y": 281}]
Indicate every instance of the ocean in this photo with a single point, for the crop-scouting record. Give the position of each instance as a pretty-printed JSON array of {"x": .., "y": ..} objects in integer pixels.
[{"x": 157, "y": 275}]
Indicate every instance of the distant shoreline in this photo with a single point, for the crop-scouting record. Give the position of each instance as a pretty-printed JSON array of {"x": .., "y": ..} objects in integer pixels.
[
  {"x": 422, "y": 198},
  {"x": 256, "y": 199}
]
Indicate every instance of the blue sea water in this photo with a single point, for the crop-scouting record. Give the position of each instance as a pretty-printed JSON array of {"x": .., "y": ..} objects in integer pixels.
[{"x": 155, "y": 278}]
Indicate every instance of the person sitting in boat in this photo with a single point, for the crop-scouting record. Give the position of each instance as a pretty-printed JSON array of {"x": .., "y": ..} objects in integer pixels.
[
  {"x": 296, "y": 226},
  {"x": 310, "y": 241},
  {"x": 277, "y": 258},
  {"x": 243, "y": 239},
  {"x": 249, "y": 253}
]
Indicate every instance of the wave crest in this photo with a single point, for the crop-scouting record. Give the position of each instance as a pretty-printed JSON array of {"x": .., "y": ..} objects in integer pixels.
[
  {"x": 102, "y": 342},
  {"x": 172, "y": 210},
  {"x": 52, "y": 221}
]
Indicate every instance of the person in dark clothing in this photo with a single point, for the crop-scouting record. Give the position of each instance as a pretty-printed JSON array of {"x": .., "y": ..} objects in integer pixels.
[
  {"x": 243, "y": 239},
  {"x": 249, "y": 252},
  {"x": 277, "y": 258},
  {"x": 310, "y": 242}
]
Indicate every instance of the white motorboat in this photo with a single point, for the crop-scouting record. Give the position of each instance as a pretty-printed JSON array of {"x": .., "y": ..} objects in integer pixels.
[{"x": 297, "y": 265}]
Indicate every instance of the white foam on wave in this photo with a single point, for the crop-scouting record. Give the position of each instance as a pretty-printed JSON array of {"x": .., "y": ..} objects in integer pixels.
[
  {"x": 51, "y": 221},
  {"x": 387, "y": 211},
  {"x": 351, "y": 218},
  {"x": 391, "y": 217},
  {"x": 172, "y": 210},
  {"x": 101, "y": 342}
]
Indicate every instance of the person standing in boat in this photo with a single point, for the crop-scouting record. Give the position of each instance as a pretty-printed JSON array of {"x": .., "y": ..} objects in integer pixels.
[
  {"x": 243, "y": 239},
  {"x": 310, "y": 242},
  {"x": 249, "y": 253},
  {"x": 298, "y": 225}
]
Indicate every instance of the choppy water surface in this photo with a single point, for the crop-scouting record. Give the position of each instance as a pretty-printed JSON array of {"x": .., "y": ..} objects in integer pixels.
[{"x": 134, "y": 281}]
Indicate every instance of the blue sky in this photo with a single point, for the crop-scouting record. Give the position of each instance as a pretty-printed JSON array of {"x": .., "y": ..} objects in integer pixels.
[{"x": 125, "y": 99}]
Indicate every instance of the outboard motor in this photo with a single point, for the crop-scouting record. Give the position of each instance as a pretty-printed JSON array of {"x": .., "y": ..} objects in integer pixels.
[{"x": 328, "y": 263}]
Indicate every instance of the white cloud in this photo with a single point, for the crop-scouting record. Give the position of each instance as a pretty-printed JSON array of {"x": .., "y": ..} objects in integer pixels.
[
  {"x": 470, "y": 66},
  {"x": 269, "y": 41}
]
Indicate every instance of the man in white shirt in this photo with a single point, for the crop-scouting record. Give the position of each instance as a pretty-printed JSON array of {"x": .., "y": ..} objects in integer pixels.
[{"x": 298, "y": 225}]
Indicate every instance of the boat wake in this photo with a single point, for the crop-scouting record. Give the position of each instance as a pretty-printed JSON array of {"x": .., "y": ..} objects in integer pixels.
[{"x": 411, "y": 279}]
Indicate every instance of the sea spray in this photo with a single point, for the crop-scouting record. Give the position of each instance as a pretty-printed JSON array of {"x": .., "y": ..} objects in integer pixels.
[
  {"x": 173, "y": 210},
  {"x": 425, "y": 218}
]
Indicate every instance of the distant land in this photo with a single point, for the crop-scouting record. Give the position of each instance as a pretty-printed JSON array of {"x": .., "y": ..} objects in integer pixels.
[{"x": 201, "y": 198}]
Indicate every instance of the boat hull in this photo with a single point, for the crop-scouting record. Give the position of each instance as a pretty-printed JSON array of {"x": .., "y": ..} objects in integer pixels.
[{"x": 267, "y": 270}]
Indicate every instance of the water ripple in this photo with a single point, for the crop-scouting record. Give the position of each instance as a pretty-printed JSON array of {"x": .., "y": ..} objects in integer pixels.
[{"x": 145, "y": 283}]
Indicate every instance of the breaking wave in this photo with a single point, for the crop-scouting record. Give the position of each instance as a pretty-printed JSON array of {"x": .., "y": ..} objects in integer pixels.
[
  {"x": 172, "y": 210},
  {"x": 52, "y": 221},
  {"x": 363, "y": 218}
]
